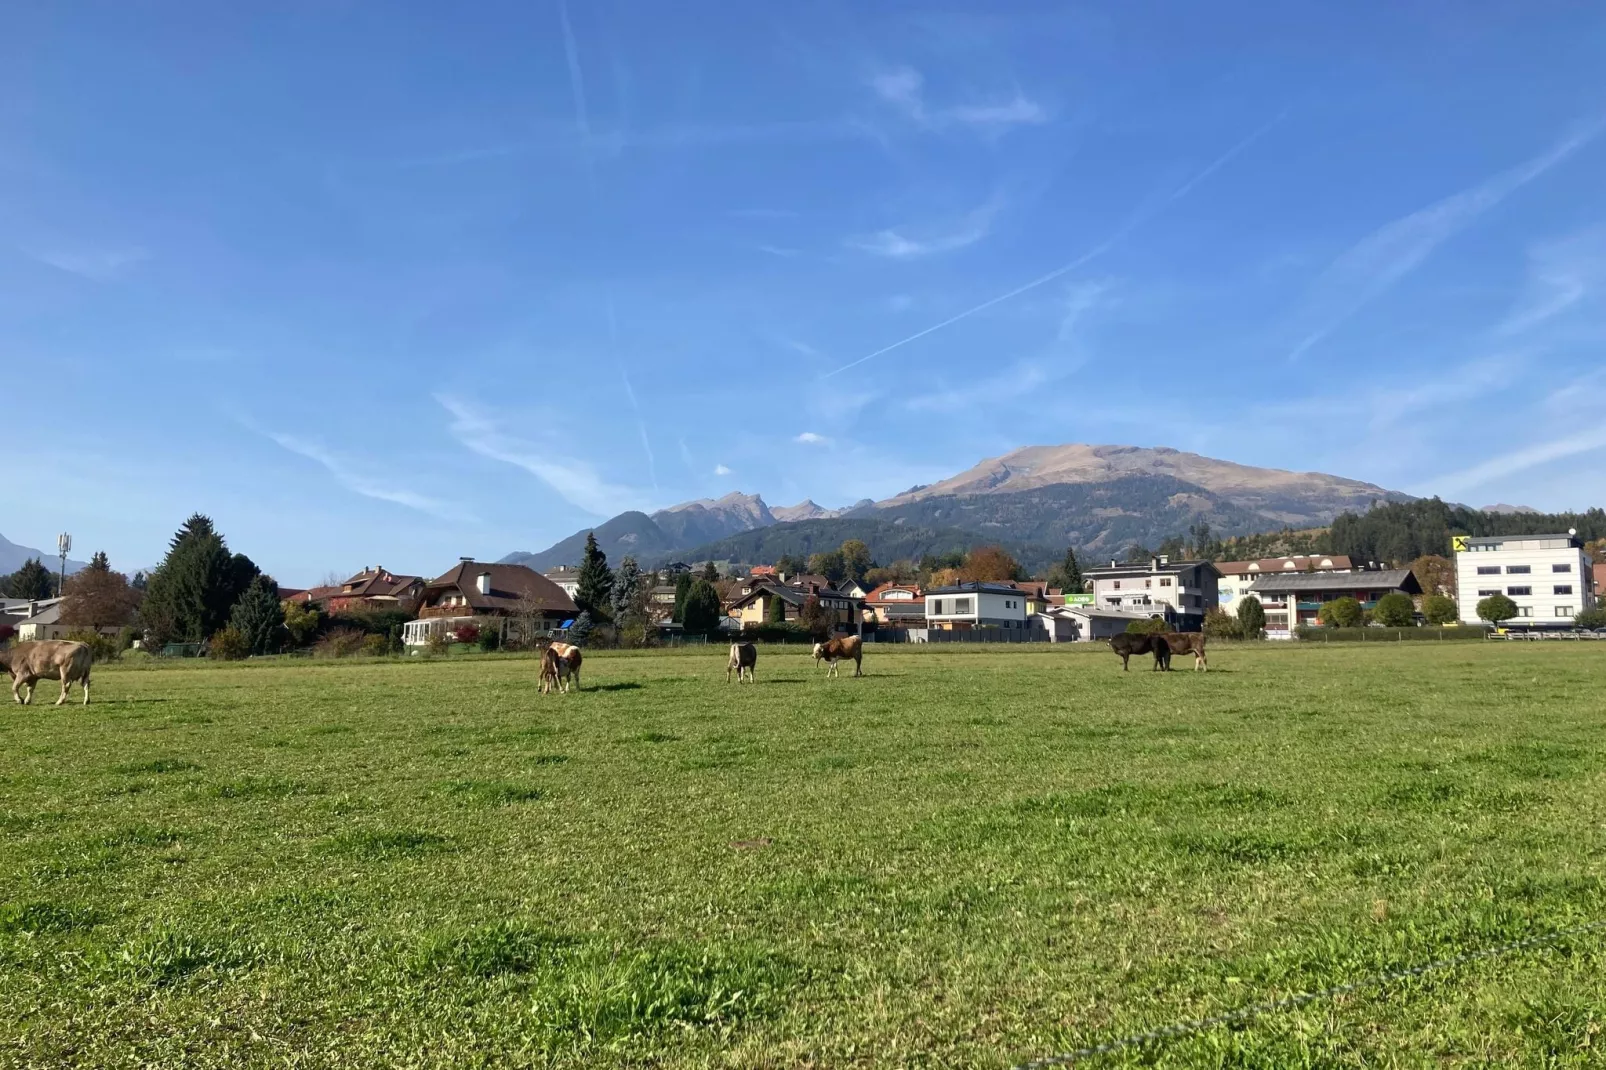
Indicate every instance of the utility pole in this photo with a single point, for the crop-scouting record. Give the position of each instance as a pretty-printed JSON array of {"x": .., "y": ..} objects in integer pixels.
[{"x": 63, "y": 547}]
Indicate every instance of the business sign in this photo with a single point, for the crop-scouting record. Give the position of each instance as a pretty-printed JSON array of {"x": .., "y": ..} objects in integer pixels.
[
  {"x": 1459, "y": 543},
  {"x": 1078, "y": 599}
]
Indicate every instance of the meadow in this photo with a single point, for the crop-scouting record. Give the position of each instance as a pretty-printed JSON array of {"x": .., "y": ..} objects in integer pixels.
[{"x": 970, "y": 857}]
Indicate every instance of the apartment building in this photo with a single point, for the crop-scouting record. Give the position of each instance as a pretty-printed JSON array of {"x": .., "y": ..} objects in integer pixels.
[
  {"x": 1182, "y": 591},
  {"x": 1547, "y": 576},
  {"x": 1238, "y": 576}
]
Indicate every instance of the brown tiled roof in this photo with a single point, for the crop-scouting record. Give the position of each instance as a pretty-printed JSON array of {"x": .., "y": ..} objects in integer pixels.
[
  {"x": 509, "y": 583},
  {"x": 1279, "y": 564},
  {"x": 376, "y": 583},
  {"x": 875, "y": 595},
  {"x": 314, "y": 594}
]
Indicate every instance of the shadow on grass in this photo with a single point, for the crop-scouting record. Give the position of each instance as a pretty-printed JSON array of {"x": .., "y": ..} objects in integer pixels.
[{"x": 626, "y": 686}]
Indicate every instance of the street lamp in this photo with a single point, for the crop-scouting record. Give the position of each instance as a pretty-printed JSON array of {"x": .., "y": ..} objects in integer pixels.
[{"x": 63, "y": 547}]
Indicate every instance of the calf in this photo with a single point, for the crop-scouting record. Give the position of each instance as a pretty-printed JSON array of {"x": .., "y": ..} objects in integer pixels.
[
  {"x": 1186, "y": 643},
  {"x": 1126, "y": 644},
  {"x": 834, "y": 650},
  {"x": 743, "y": 657},
  {"x": 559, "y": 663},
  {"x": 59, "y": 658}
]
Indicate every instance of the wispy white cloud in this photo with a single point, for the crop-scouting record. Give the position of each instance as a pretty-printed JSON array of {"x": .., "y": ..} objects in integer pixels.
[
  {"x": 574, "y": 480},
  {"x": 1561, "y": 274},
  {"x": 902, "y": 245},
  {"x": 577, "y": 82},
  {"x": 97, "y": 265},
  {"x": 1121, "y": 234},
  {"x": 721, "y": 470},
  {"x": 348, "y": 474},
  {"x": 810, "y": 438},
  {"x": 1520, "y": 460},
  {"x": 904, "y": 89},
  {"x": 1380, "y": 260}
]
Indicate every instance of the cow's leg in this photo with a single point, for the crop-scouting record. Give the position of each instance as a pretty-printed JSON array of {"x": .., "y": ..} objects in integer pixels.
[
  {"x": 858, "y": 667},
  {"x": 1124, "y": 667},
  {"x": 84, "y": 683},
  {"x": 1199, "y": 661},
  {"x": 66, "y": 686},
  {"x": 16, "y": 689}
]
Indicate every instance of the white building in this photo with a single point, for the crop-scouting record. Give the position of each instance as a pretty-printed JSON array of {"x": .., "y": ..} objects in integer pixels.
[
  {"x": 976, "y": 605},
  {"x": 1182, "y": 592},
  {"x": 1238, "y": 576},
  {"x": 1547, "y": 576},
  {"x": 565, "y": 577}
]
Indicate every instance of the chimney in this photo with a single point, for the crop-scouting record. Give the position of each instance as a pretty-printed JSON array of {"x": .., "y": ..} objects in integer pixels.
[
  {"x": 1114, "y": 563},
  {"x": 1154, "y": 564},
  {"x": 466, "y": 560},
  {"x": 484, "y": 583}
]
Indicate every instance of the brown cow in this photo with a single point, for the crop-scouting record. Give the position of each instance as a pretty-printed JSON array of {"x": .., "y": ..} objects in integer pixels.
[
  {"x": 1125, "y": 644},
  {"x": 59, "y": 658},
  {"x": 1187, "y": 643},
  {"x": 835, "y": 650},
  {"x": 559, "y": 662},
  {"x": 744, "y": 656}
]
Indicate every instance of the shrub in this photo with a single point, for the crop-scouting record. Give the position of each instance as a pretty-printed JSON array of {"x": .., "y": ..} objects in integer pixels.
[
  {"x": 228, "y": 644},
  {"x": 1439, "y": 609},
  {"x": 1395, "y": 610},
  {"x": 490, "y": 640},
  {"x": 101, "y": 647},
  {"x": 1251, "y": 618},
  {"x": 790, "y": 632},
  {"x": 437, "y": 643},
  {"x": 1496, "y": 608},
  {"x": 339, "y": 643},
  {"x": 302, "y": 622},
  {"x": 1341, "y": 613},
  {"x": 374, "y": 646},
  {"x": 1591, "y": 618},
  {"x": 1219, "y": 624},
  {"x": 1152, "y": 626},
  {"x": 467, "y": 633}
]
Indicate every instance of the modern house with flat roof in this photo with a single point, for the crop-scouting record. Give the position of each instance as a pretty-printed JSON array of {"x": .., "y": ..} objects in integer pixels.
[
  {"x": 1547, "y": 576},
  {"x": 1293, "y": 599},
  {"x": 1180, "y": 591},
  {"x": 964, "y": 606}
]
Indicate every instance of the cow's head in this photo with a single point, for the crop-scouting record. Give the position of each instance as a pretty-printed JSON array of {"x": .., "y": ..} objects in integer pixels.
[{"x": 819, "y": 651}]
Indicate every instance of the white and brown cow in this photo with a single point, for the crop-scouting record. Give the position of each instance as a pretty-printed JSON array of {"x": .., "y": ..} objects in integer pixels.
[
  {"x": 58, "y": 658},
  {"x": 744, "y": 656},
  {"x": 834, "y": 650},
  {"x": 560, "y": 662}
]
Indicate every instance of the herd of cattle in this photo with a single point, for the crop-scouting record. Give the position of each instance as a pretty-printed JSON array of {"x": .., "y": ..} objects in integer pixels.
[{"x": 70, "y": 662}]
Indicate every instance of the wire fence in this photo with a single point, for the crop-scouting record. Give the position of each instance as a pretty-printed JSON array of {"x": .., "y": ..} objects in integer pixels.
[{"x": 1256, "y": 1010}]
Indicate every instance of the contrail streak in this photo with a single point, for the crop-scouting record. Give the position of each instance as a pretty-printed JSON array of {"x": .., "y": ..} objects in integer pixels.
[
  {"x": 576, "y": 79},
  {"x": 1099, "y": 250}
]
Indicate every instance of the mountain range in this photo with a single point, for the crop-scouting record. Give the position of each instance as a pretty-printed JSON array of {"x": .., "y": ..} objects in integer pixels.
[
  {"x": 12, "y": 557},
  {"x": 1036, "y": 500}
]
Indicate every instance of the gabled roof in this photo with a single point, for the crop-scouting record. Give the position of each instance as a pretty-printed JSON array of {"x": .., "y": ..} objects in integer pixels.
[
  {"x": 876, "y": 595},
  {"x": 376, "y": 583},
  {"x": 509, "y": 584},
  {"x": 51, "y": 614},
  {"x": 1379, "y": 580}
]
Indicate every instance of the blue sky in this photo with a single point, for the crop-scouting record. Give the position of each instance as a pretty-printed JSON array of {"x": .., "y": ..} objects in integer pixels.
[{"x": 391, "y": 283}]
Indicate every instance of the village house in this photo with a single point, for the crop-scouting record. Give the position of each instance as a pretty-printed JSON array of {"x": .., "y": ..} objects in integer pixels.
[
  {"x": 565, "y": 576},
  {"x": 374, "y": 588},
  {"x": 754, "y": 608},
  {"x": 899, "y": 605},
  {"x": 963, "y": 606},
  {"x": 1182, "y": 591},
  {"x": 512, "y": 600},
  {"x": 1238, "y": 576},
  {"x": 1293, "y": 599}
]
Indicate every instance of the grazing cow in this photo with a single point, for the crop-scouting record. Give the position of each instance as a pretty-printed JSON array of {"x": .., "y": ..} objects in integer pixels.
[
  {"x": 559, "y": 663},
  {"x": 58, "y": 658},
  {"x": 834, "y": 650},
  {"x": 1126, "y": 644},
  {"x": 1185, "y": 643},
  {"x": 743, "y": 657}
]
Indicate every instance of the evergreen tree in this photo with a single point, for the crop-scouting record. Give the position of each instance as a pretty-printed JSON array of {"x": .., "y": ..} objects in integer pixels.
[
  {"x": 596, "y": 579},
  {"x": 626, "y": 589},
  {"x": 99, "y": 563},
  {"x": 710, "y": 573},
  {"x": 700, "y": 615},
  {"x": 192, "y": 592},
  {"x": 682, "y": 589},
  {"x": 258, "y": 616},
  {"x": 790, "y": 565},
  {"x": 1067, "y": 575},
  {"x": 580, "y": 630},
  {"x": 31, "y": 581},
  {"x": 140, "y": 581},
  {"x": 776, "y": 613},
  {"x": 1251, "y": 617}
]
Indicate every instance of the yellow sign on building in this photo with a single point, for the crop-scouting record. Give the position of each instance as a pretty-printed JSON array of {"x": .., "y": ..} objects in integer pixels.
[{"x": 1458, "y": 543}]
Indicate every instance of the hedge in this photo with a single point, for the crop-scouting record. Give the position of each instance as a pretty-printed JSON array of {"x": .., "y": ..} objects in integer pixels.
[{"x": 1390, "y": 635}]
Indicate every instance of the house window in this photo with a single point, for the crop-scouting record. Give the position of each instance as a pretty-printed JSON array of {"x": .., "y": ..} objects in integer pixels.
[
  {"x": 1165, "y": 583},
  {"x": 1562, "y": 588},
  {"x": 1487, "y": 592},
  {"x": 1519, "y": 591},
  {"x": 962, "y": 606},
  {"x": 1148, "y": 583},
  {"x": 936, "y": 607},
  {"x": 1518, "y": 570},
  {"x": 1561, "y": 568},
  {"x": 1116, "y": 585},
  {"x": 1564, "y": 611},
  {"x": 1525, "y": 611},
  {"x": 1488, "y": 570}
]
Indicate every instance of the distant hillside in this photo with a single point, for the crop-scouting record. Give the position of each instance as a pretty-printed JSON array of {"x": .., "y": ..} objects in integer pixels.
[
  {"x": 13, "y": 556},
  {"x": 888, "y": 541}
]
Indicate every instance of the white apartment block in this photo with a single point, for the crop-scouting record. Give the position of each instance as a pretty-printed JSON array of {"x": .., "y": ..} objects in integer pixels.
[
  {"x": 976, "y": 605},
  {"x": 1547, "y": 576}
]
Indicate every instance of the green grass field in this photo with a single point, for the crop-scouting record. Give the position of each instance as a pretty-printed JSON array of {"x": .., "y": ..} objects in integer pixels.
[{"x": 970, "y": 857}]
